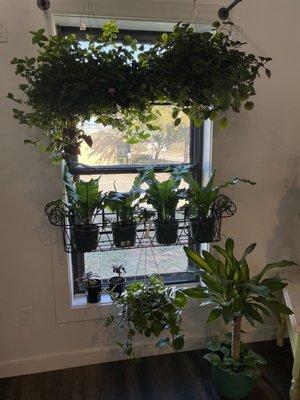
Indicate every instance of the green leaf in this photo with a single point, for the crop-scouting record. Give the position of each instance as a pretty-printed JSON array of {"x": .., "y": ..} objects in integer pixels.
[
  {"x": 195, "y": 293},
  {"x": 109, "y": 320},
  {"x": 216, "y": 24},
  {"x": 178, "y": 343},
  {"x": 223, "y": 123},
  {"x": 180, "y": 299},
  {"x": 214, "y": 314},
  {"x": 268, "y": 73},
  {"x": 268, "y": 267}
]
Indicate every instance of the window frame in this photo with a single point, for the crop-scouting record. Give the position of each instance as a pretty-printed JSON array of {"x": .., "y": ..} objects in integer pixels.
[{"x": 77, "y": 169}]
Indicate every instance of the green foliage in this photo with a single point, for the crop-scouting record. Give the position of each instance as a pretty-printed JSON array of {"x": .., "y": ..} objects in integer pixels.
[
  {"x": 162, "y": 196},
  {"x": 124, "y": 204},
  {"x": 89, "y": 279},
  {"x": 231, "y": 290},
  {"x": 82, "y": 200},
  {"x": 150, "y": 309},
  {"x": 200, "y": 74},
  {"x": 201, "y": 198},
  {"x": 203, "y": 74},
  {"x": 249, "y": 363}
]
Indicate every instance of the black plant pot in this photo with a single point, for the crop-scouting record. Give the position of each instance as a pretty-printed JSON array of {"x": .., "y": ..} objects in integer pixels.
[
  {"x": 124, "y": 235},
  {"x": 202, "y": 230},
  {"x": 86, "y": 237},
  {"x": 93, "y": 294},
  {"x": 166, "y": 233},
  {"x": 117, "y": 284}
]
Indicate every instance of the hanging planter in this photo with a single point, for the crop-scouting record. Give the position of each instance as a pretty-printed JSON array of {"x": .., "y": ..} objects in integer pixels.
[
  {"x": 163, "y": 197},
  {"x": 124, "y": 204},
  {"x": 124, "y": 234},
  {"x": 202, "y": 74},
  {"x": 206, "y": 207},
  {"x": 166, "y": 233},
  {"x": 81, "y": 206}
]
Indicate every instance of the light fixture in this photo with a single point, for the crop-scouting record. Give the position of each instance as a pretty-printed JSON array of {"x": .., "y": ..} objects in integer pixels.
[{"x": 224, "y": 11}]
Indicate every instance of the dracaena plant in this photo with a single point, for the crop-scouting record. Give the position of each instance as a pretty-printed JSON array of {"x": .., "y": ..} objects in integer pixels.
[
  {"x": 234, "y": 295},
  {"x": 150, "y": 309},
  {"x": 162, "y": 196},
  {"x": 202, "y": 198},
  {"x": 83, "y": 199},
  {"x": 124, "y": 204}
]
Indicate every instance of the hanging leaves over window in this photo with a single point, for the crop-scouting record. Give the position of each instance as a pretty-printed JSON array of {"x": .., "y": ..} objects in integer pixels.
[{"x": 201, "y": 74}]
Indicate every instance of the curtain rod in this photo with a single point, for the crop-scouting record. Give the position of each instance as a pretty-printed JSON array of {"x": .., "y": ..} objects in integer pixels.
[{"x": 224, "y": 11}]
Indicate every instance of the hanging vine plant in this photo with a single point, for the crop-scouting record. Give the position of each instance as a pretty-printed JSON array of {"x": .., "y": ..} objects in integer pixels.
[{"x": 202, "y": 74}]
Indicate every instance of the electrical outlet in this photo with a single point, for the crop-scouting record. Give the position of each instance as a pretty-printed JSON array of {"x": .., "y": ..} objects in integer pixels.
[
  {"x": 26, "y": 315},
  {"x": 3, "y": 30}
]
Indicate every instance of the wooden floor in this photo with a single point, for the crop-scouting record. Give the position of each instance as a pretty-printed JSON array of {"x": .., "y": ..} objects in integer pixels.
[{"x": 182, "y": 376}]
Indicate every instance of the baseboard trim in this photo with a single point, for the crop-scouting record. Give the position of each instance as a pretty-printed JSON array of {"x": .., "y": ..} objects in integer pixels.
[{"x": 78, "y": 358}]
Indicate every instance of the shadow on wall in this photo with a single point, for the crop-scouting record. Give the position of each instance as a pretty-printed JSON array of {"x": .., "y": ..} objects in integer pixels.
[{"x": 286, "y": 234}]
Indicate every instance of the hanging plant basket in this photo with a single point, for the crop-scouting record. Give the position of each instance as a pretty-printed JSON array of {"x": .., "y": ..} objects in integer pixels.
[
  {"x": 86, "y": 237},
  {"x": 208, "y": 230},
  {"x": 124, "y": 235},
  {"x": 166, "y": 233}
]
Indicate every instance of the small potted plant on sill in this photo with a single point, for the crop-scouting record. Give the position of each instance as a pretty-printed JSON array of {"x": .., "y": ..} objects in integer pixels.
[
  {"x": 234, "y": 296},
  {"x": 201, "y": 200},
  {"x": 124, "y": 204},
  {"x": 150, "y": 309},
  {"x": 117, "y": 283},
  {"x": 163, "y": 197},
  {"x": 92, "y": 284},
  {"x": 83, "y": 202}
]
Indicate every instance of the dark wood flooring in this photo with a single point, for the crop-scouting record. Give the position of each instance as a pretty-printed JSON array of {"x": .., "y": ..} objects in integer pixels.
[{"x": 181, "y": 376}]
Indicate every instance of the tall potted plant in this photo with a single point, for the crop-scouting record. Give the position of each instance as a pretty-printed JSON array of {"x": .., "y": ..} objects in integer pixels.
[
  {"x": 124, "y": 204},
  {"x": 163, "y": 197},
  {"x": 116, "y": 284},
  {"x": 235, "y": 295},
  {"x": 82, "y": 203},
  {"x": 201, "y": 200}
]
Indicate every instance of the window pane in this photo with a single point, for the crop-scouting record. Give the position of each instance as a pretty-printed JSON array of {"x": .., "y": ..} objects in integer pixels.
[{"x": 168, "y": 145}]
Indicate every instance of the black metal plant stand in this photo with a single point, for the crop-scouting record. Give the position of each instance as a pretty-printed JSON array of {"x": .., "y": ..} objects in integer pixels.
[{"x": 223, "y": 207}]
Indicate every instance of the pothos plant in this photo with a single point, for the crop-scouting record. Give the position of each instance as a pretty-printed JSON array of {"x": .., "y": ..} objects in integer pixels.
[
  {"x": 202, "y": 74},
  {"x": 150, "y": 309},
  {"x": 234, "y": 295},
  {"x": 67, "y": 83}
]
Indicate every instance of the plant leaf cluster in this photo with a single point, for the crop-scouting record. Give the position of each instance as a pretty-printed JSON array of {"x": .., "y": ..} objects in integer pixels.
[
  {"x": 231, "y": 290},
  {"x": 249, "y": 363},
  {"x": 150, "y": 309},
  {"x": 201, "y": 74}
]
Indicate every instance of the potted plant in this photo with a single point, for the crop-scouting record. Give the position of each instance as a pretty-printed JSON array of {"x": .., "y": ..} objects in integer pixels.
[
  {"x": 117, "y": 283},
  {"x": 124, "y": 204},
  {"x": 82, "y": 204},
  {"x": 163, "y": 197},
  {"x": 150, "y": 309},
  {"x": 201, "y": 200},
  {"x": 92, "y": 284},
  {"x": 235, "y": 295},
  {"x": 180, "y": 71}
]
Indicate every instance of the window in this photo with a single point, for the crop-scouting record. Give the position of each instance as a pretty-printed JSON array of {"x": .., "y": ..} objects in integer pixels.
[{"x": 118, "y": 163}]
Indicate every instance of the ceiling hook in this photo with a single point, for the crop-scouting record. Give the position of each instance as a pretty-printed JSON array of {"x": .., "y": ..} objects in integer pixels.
[
  {"x": 43, "y": 5},
  {"x": 224, "y": 11}
]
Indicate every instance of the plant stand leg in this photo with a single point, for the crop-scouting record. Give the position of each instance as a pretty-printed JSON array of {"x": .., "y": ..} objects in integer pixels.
[{"x": 281, "y": 332}]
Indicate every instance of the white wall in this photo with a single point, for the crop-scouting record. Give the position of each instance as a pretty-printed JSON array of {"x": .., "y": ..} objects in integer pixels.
[{"x": 261, "y": 145}]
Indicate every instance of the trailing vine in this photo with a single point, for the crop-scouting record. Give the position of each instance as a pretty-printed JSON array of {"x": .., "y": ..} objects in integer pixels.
[{"x": 202, "y": 74}]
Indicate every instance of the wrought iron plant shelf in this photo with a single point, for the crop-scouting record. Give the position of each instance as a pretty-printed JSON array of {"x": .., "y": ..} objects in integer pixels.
[{"x": 223, "y": 207}]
